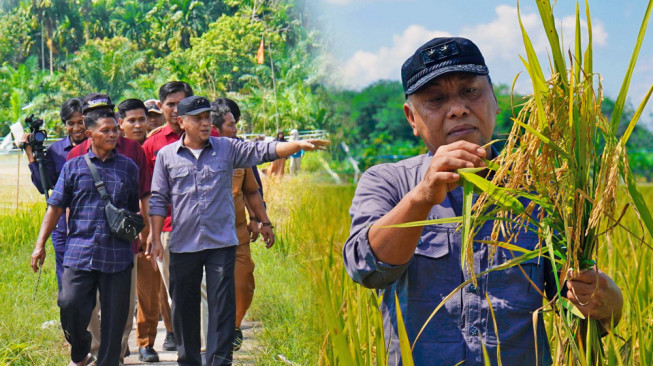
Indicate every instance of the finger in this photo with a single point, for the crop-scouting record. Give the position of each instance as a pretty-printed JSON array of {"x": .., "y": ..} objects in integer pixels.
[
  {"x": 581, "y": 288},
  {"x": 153, "y": 261},
  {"x": 449, "y": 163},
  {"x": 476, "y": 160},
  {"x": 462, "y": 145},
  {"x": 586, "y": 276}
]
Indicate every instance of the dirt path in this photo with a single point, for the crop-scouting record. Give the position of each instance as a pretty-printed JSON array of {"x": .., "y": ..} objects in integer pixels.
[{"x": 245, "y": 356}]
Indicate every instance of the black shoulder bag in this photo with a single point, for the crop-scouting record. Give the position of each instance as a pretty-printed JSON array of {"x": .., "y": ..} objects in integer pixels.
[{"x": 124, "y": 224}]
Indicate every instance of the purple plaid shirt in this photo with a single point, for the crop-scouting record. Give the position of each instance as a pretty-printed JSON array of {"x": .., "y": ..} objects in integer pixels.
[
  {"x": 55, "y": 158},
  {"x": 90, "y": 245}
]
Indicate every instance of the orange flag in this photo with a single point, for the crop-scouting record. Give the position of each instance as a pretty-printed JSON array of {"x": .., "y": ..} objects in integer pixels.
[{"x": 260, "y": 54}]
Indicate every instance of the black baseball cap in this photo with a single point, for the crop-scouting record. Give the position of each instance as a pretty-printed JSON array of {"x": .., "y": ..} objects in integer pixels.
[
  {"x": 95, "y": 101},
  {"x": 152, "y": 106},
  {"x": 440, "y": 56},
  {"x": 193, "y": 106}
]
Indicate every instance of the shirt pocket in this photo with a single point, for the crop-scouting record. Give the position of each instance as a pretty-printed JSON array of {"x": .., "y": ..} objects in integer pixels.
[
  {"x": 514, "y": 285},
  {"x": 217, "y": 175},
  {"x": 432, "y": 275},
  {"x": 181, "y": 178}
]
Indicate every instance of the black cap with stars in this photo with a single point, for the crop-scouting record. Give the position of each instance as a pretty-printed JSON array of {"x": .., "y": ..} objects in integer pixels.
[
  {"x": 193, "y": 106},
  {"x": 440, "y": 56}
]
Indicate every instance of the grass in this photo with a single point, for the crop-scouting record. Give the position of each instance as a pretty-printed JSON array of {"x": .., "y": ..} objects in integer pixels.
[{"x": 22, "y": 340}]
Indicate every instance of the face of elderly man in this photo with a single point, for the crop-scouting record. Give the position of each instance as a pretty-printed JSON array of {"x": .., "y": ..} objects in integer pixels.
[{"x": 452, "y": 107}]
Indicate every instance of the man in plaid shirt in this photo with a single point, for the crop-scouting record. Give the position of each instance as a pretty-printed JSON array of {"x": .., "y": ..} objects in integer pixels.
[{"x": 94, "y": 258}]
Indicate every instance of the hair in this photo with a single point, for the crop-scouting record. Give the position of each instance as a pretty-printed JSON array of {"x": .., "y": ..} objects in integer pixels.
[
  {"x": 217, "y": 115},
  {"x": 70, "y": 107},
  {"x": 93, "y": 117},
  {"x": 129, "y": 105},
  {"x": 233, "y": 107},
  {"x": 174, "y": 87}
]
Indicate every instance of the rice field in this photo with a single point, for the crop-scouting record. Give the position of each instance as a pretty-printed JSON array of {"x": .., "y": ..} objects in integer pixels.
[{"x": 311, "y": 312}]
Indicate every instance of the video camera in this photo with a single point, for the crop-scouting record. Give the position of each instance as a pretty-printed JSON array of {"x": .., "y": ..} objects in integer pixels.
[{"x": 37, "y": 137}]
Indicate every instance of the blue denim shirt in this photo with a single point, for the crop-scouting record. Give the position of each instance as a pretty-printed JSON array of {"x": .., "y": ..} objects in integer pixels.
[
  {"x": 456, "y": 331},
  {"x": 199, "y": 190}
]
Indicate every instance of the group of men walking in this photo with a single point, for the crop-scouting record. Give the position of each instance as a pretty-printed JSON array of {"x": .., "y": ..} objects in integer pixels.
[{"x": 164, "y": 159}]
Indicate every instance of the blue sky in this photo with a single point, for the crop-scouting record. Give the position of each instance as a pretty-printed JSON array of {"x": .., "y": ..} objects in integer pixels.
[{"x": 369, "y": 39}]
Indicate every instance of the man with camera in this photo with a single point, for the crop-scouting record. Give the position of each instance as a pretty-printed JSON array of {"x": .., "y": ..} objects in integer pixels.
[
  {"x": 96, "y": 258},
  {"x": 52, "y": 161}
]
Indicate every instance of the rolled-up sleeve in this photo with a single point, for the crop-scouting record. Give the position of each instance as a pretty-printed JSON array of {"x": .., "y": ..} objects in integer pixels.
[
  {"x": 246, "y": 154},
  {"x": 160, "y": 199},
  {"x": 375, "y": 196}
]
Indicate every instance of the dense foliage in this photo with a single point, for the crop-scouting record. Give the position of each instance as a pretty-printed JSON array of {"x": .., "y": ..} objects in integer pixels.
[{"x": 52, "y": 50}]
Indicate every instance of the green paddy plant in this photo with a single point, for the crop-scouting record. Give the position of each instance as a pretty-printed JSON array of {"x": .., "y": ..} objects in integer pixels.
[{"x": 558, "y": 176}]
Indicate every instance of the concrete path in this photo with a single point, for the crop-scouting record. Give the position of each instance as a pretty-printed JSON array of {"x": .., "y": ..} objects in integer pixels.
[{"x": 245, "y": 356}]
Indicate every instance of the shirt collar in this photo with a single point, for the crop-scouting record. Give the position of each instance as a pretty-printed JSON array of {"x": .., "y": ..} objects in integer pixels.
[
  {"x": 167, "y": 130},
  {"x": 180, "y": 143}
]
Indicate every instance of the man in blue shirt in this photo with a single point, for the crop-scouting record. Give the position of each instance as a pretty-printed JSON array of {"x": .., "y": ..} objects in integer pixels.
[
  {"x": 94, "y": 258},
  {"x": 194, "y": 177},
  {"x": 55, "y": 157},
  {"x": 451, "y": 106}
]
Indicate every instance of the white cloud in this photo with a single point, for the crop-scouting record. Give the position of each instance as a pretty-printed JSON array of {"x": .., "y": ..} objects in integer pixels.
[
  {"x": 366, "y": 67},
  {"x": 500, "y": 41}
]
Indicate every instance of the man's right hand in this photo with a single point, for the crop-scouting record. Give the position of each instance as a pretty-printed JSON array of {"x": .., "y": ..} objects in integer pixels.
[
  {"x": 154, "y": 251},
  {"x": 28, "y": 148},
  {"x": 441, "y": 176},
  {"x": 38, "y": 257}
]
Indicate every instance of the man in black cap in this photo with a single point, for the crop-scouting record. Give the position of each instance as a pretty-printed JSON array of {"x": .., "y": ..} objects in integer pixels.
[
  {"x": 450, "y": 104},
  {"x": 194, "y": 177}
]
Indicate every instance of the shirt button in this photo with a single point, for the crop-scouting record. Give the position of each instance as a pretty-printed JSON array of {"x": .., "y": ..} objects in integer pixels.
[
  {"x": 473, "y": 330},
  {"x": 472, "y": 288},
  {"x": 419, "y": 242}
]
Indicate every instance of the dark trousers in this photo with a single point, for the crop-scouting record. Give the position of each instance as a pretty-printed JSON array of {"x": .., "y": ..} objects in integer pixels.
[
  {"x": 76, "y": 302},
  {"x": 186, "y": 271}
]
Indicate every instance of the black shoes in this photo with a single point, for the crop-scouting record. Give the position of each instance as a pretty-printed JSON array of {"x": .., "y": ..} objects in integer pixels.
[
  {"x": 148, "y": 354},
  {"x": 169, "y": 343},
  {"x": 238, "y": 339}
]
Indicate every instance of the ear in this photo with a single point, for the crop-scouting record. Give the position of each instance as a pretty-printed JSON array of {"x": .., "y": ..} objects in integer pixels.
[
  {"x": 120, "y": 120},
  {"x": 410, "y": 116},
  {"x": 180, "y": 122},
  {"x": 88, "y": 133},
  {"x": 158, "y": 104}
]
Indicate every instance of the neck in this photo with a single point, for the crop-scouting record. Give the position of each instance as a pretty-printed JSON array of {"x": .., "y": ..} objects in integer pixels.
[
  {"x": 73, "y": 142},
  {"x": 175, "y": 128},
  {"x": 101, "y": 153},
  {"x": 193, "y": 144}
]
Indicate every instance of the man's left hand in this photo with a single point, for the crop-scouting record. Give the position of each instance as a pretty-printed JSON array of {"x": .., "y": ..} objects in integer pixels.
[
  {"x": 596, "y": 296},
  {"x": 268, "y": 235}
]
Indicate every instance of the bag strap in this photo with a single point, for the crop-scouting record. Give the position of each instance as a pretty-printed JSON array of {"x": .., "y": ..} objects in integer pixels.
[{"x": 99, "y": 184}]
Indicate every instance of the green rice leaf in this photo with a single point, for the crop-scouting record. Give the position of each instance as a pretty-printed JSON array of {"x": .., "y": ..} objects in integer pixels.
[
  {"x": 496, "y": 329},
  {"x": 404, "y": 343},
  {"x": 499, "y": 195},
  {"x": 588, "y": 52},
  {"x": 638, "y": 199},
  {"x": 546, "y": 15},
  {"x": 547, "y": 141},
  {"x": 633, "y": 121},
  {"x": 468, "y": 194},
  {"x": 621, "y": 99},
  {"x": 578, "y": 51}
]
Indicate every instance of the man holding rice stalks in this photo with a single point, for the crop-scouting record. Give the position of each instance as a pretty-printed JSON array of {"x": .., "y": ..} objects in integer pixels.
[{"x": 450, "y": 104}]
